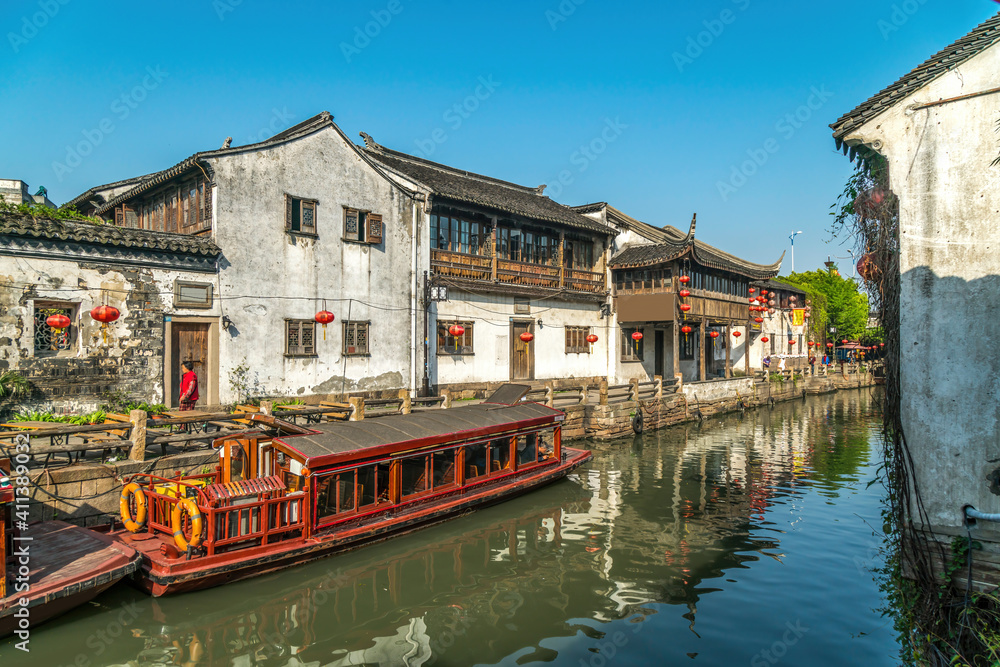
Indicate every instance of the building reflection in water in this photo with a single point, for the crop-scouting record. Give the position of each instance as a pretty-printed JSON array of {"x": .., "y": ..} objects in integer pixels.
[{"x": 658, "y": 519}]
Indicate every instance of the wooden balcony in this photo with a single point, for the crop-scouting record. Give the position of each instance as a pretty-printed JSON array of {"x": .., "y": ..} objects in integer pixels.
[
  {"x": 525, "y": 274},
  {"x": 649, "y": 306}
]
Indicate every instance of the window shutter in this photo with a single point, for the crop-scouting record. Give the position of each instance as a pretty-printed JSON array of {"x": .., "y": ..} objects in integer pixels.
[
  {"x": 374, "y": 231},
  {"x": 308, "y": 336},
  {"x": 351, "y": 224},
  {"x": 288, "y": 213},
  {"x": 206, "y": 209},
  {"x": 307, "y": 221},
  {"x": 350, "y": 345},
  {"x": 120, "y": 216}
]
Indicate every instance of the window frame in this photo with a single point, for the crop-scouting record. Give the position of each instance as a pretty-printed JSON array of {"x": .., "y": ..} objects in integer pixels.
[
  {"x": 180, "y": 302},
  {"x": 70, "y": 333},
  {"x": 455, "y": 350},
  {"x": 631, "y": 351},
  {"x": 685, "y": 345},
  {"x": 300, "y": 351},
  {"x": 576, "y": 340},
  {"x": 370, "y": 227},
  {"x": 293, "y": 203},
  {"x": 347, "y": 324}
]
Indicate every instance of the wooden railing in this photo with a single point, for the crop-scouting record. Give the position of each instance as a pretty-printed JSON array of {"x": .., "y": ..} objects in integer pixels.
[
  {"x": 461, "y": 265},
  {"x": 477, "y": 267},
  {"x": 523, "y": 273}
]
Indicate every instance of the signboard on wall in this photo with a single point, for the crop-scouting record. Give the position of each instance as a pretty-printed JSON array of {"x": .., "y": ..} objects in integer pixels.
[{"x": 798, "y": 317}]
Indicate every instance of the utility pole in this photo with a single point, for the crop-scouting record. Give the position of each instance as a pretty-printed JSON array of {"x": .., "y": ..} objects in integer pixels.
[{"x": 792, "y": 239}]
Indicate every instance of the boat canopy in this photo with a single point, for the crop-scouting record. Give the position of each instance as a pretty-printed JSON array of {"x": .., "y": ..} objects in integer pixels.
[{"x": 340, "y": 441}]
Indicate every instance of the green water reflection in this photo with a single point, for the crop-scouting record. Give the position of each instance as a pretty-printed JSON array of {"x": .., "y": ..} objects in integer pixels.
[{"x": 739, "y": 541}]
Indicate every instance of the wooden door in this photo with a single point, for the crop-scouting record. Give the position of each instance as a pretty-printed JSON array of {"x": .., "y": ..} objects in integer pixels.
[
  {"x": 189, "y": 343},
  {"x": 658, "y": 353},
  {"x": 522, "y": 353}
]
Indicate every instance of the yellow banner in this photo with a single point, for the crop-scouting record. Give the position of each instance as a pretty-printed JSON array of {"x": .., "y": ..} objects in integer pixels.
[{"x": 798, "y": 317}]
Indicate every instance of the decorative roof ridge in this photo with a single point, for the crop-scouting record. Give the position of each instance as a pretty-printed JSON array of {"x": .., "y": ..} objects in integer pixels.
[
  {"x": 952, "y": 56},
  {"x": 92, "y": 191},
  {"x": 307, "y": 127},
  {"x": 590, "y": 208},
  {"x": 377, "y": 149}
]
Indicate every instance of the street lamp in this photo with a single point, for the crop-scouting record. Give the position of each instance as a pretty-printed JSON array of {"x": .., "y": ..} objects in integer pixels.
[{"x": 791, "y": 238}]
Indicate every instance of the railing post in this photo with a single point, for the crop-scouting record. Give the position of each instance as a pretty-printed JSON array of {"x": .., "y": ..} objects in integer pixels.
[
  {"x": 680, "y": 381},
  {"x": 138, "y": 435},
  {"x": 633, "y": 390},
  {"x": 267, "y": 408},
  {"x": 357, "y": 408},
  {"x": 604, "y": 392},
  {"x": 659, "y": 387},
  {"x": 446, "y": 396},
  {"x": 550, "y": 391},
  {"x": 407, "y": 406},
  {"x": 584, "y": 395}
]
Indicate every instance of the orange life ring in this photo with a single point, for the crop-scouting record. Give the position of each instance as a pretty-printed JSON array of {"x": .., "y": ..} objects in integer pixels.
[
  {"x": 139, "y": 522},
  {"x": 177, "y": 523}
]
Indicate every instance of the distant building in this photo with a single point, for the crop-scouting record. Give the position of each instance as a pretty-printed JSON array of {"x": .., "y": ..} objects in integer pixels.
[
  {"x": 16, "y": 191},
  {"x": 937, "y": 129}
]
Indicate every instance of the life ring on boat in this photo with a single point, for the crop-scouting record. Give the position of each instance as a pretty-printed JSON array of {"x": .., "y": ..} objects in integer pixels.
[
  {"x": 133, "y": 490},
  {"x": 177, "y": 523}
]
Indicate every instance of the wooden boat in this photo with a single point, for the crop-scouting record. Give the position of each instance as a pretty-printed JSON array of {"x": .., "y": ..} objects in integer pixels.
[
  {"x": 52, "y": 567},
  {"x": 290, "y": 494}
]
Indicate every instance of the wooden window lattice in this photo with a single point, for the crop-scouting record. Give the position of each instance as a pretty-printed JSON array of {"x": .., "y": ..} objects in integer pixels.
[
  {"x": 356, "y": 338},
  {"x": 300, "y": 337}
]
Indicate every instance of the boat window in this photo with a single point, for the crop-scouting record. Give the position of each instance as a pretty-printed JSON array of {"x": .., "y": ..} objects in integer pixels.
[
  {"x": 527, "y": 449},
  {"x": 334, "y": 495},
  {"x": 373, "y": 485},
  {"x": 475, "y": 460},
  {"x": 499, "y": 455},
  {"x": 293, "y": 482},
  {"x": 444, "y": 468},
  {"x": 546, "y": 445},
  {"x": 414, "y": 475}
]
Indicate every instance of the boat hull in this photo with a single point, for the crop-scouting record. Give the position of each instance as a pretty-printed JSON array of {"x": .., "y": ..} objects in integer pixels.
[{"x": 160, "y": 575}]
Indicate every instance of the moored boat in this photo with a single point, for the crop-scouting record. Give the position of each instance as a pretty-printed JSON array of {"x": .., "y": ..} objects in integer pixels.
[{"x": 288, "y": 494}]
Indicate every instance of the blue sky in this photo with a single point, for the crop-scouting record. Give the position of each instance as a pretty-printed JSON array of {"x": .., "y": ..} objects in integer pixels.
[{"x": 649, "y": 106}]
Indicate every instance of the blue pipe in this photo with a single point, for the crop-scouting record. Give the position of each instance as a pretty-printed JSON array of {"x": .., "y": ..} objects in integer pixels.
[{"x": 974, "y": 514}]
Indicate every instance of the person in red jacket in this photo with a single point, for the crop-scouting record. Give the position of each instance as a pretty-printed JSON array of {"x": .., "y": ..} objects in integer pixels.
[{"x": 189, "y": 386}]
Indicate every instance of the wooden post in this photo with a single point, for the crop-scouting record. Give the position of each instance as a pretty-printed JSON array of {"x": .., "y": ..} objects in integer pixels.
[
  {"x": 357, "y": 408},
  {"x": 659, "y": 387},
  {"x": 604, "y": 392},
  {"x": 407, "y": 406},
  {"x": 729, "y": 342},
  {"x": 267, "y": 408},
  {"x": 584, "y": 395},
  {"x": 562, "y": 258},
  {"x": 493, "y": 259},
  {"x": 138, "y": 435},
  {"x": 702, "y": 327},
  {"x": 446, "y": 395},
  {"x": 680, "y": 381},
  {"x": 550, "y": 391},
  {"x": 633, "y": 390}
]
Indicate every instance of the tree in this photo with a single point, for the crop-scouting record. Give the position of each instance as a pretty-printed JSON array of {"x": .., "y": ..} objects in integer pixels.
[{"x": 845, "y": 307}]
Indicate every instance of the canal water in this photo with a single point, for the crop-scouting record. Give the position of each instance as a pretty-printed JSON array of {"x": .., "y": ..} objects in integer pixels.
[{"x": 746, "y": 540}]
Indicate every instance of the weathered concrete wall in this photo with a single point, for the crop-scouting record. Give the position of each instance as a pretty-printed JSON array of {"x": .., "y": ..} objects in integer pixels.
[
  {"x": 939, "y": 166},
  {"x": 270, "y": 275},
  {"x": 715, "y": 390},
  {"x": 131, "y": 360}
]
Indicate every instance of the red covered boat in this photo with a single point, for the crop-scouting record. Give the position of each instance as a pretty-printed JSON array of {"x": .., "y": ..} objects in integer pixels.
[{"x": 289, "y": 494}]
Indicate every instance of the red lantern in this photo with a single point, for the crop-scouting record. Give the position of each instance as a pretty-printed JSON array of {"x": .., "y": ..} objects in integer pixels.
[
  {"x": 713, "y": 334},
  {"x": 685, "y": 307},
  {"x": 527, "y": 336},
  {"x": 791, "y": 342},
  {"x": 763, "y": 292},
  {"x": 881, "y": 344},
  {"x": 637, "y": 336},
  {"x": 686, "y": 330},
  {"x": 684, "y": 293},
  {"x": 771, "y": 303},
  {"x": 764, "y": 339},
  {"x": 592, "y": 338},
  {"x": 752, "y": 290},
  {"x": 753, "y": 299},
  {"x": 844, "y": 341},
  {"x": 758, "y": 320},
  {"x": 105, "y": 314},
  {"x": 456, "y": 330},
  {"x": 811, "y": 343},
  {"x": 684, "y": 280},
  {"x": 771, "y": 311},
  {"x": 324, "y": 317},
  {"x": 829, "y": 344},
  {"x": 737, "y": 334},
  {"x": 57, "y": 321}
]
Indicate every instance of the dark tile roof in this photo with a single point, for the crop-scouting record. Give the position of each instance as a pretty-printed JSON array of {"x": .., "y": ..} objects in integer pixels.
[
  {"x": 948, "y": 59},
  {"x": 466, "y": 186},
  {"x": 778, "y": 285},
  {"x": 106, "y": 235},
  {"x": 670, "y": 243},
  {"x": 92, "y": 192}
]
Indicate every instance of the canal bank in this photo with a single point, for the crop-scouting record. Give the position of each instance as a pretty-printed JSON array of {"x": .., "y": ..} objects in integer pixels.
[{"x": 743, "y": 539}]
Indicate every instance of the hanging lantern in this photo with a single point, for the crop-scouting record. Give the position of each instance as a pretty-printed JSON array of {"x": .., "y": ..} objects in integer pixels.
[
  {"x": 105, "y": 314},
  {"x": 324, "y": 317},
  {"x": 792, "y": 299},
  {"x": 456, "y": 330},
  {"x": 752, "y": 299},
  {"x": 685, "y": 307},
  {"x": 592, "y": 338},
  {"x": 771, "y": 303},
  {"x": 844, "y": 341},
  {"x": 770, "y": 311},
  {"x": 713, "y": 334},
  {"x": 57, "y": 321},
  {"x": 737, "y": 334},
  {"x": 684, "y": 280},
  {"x": 752, "y": 290},
  {"x": 637, "y": 336},
  {"x": 686, "y": 330},
  {"x": 808, "y": 302},
  {"x": 867, "y": 268},
  {"x": 527, "y": 336},
  {"x": 791, "y": 342},
  {"x": 684, "y": 293},
  {"x": 758, "y": 320},
  {"x": 764, "y": 339},
  {"x": 805, "y": 315},
  {"x": 881, "y": 344}
]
